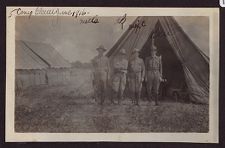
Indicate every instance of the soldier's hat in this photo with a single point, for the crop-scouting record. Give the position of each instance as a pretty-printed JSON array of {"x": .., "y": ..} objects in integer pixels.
[
  {"x": 135, "y": 50},
  {"x": 122, "y": 51},
  {"x": 101, "y": 47}
]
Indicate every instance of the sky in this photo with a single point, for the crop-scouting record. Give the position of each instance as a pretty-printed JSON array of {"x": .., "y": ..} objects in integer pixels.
[{"x": 78, "y": 42}]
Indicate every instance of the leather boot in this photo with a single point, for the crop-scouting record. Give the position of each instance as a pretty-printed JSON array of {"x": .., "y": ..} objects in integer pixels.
[
  {"x": 133, "y": 98},
  {"x": 119, "y": 98},
  {"x": 156, "y": 99},
  {"x": 150, "y": 98},
  {"x": 138, "y": 98}
]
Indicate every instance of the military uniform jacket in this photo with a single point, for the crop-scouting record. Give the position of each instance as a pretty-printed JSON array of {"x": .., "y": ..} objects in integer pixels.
[
  {"x": 154, "y": 64},
  {"x": 100, "y": 63},
  {"x": 120, "y": 65},
  {"x": 136, "y": 65}
]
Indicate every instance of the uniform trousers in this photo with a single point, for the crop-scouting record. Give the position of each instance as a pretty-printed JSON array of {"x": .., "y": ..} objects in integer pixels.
[
  {"x": 135, "y": 80},
  {"x": 118, "y": 84},
  {"x": 153, "y": 82},
  {"x": 100, "y": 85}
]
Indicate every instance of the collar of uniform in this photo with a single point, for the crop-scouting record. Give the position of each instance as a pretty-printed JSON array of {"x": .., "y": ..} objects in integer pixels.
[
  {"x": 135, "y": 58},
  {"x": 100, "y": 56}
]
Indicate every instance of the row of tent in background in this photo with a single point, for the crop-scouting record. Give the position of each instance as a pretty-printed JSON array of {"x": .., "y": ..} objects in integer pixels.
[
  {"x": 39, "y": 64},
  {"x": 26, "y": 78}
]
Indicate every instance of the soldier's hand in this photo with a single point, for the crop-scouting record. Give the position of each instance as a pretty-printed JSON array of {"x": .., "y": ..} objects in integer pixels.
[
  {"x": 161, "y": 79},
  {"x": 145, "y": 79}
]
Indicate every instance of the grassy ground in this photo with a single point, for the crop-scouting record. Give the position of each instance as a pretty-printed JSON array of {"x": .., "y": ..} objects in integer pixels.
[{"x": 62, "y": 109}]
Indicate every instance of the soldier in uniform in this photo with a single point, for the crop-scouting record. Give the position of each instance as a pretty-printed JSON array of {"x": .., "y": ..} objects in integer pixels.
[
  {"x": 153, "y": 75},
  {"x": 136, "y": 73},
  {"x": 120, "y": 65},
  {"x": 100, "y": 74}
]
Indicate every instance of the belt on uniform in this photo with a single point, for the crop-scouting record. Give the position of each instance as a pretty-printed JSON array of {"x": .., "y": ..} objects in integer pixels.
[
  {"x": 136, "y": 72},
  {"x": 101, "y": 70},
  {"x": 121, "y": 71},
  {"x": 154, "y": 69}
]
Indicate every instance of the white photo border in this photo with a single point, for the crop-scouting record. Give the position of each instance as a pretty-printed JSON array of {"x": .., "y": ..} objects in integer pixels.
[{"x": 211, "y": 137}]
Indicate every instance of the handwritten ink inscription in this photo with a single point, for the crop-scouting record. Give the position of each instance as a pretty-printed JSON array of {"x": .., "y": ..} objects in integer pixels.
[
  {"x": 122, "y": 20},
  {"x": 48, "y": 12},
  {"x": 57, "y": 11},
  {"x": 19, "y": 11},
  {"x": 39, "y": 11},
  {"x": 93, "y": 20},
  {"x": 137, "y": 25}
]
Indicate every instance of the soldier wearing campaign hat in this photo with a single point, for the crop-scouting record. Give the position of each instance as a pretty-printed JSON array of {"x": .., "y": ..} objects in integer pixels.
[
  {"x": 153, "y": 74},
  {"x": 120, "y": 64},
  {"x": 100, "y": 74},
  {"x": 136, "y": 73}
]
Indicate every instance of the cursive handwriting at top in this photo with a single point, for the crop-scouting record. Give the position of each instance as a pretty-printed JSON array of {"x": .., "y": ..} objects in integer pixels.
[
  {"x": 42, "y": 11},
  {"x": 19, "y": 11},
  {"x": 39, "y": 11},
  {"x": 93, "y": 20},
  {"x": 56, "y": 11},
  {"x": 137, "y": 25}
]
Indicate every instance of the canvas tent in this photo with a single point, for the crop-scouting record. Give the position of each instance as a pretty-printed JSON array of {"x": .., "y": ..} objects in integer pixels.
[
  {"x": 182, "y": 60},
  {"x": 39, "y": 63}
]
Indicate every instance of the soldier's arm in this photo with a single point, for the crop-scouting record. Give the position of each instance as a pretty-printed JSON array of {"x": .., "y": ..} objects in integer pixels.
[
  {"x": 115, "y": 64},
  {"x": 129, "y": 66},
  {"x": 146, "y": 65},
  {"x": 108, "y": 65},
  {"x": 128, "y": 70},
  {"x": 92, "y": 72},
  {"x": 143, "y": 70},
  {"x": 108, "y": 68},
  {"x": 160, "y": 60}
]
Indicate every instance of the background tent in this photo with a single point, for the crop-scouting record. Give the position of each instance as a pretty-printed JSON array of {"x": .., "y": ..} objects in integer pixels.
[
  {"x": 182, "y": 60},
  {"x": 48, "y": 54},
  {"x": 59, "y": 68},
  {"x": 30, "y": 69},
  {"x": 39, "y": 63}
]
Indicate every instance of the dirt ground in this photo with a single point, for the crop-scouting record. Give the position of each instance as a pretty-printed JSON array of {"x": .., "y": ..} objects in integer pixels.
[{"x": 63, "y": 109}]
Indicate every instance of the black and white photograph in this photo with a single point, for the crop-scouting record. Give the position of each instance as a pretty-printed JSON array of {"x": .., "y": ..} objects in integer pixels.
[{"x": 78, "y": 72}]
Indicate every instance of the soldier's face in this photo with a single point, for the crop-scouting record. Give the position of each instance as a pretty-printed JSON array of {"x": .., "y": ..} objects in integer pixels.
[{"x": 100, "y": 52}]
